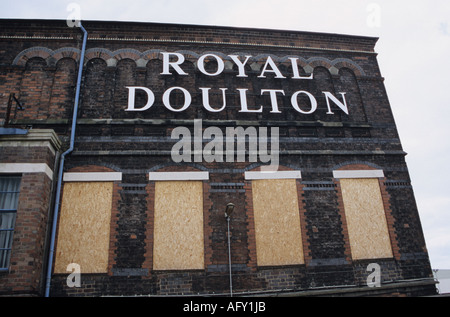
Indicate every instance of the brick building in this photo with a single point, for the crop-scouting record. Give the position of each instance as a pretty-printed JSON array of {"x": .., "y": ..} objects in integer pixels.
[{"x": 174, "y": 122}]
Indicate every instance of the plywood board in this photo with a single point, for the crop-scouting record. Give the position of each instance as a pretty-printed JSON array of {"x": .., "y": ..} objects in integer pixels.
[
  {"x": 84, "y": 227},
  {"x": 366, "y": 219},
  {"x": 277, "y": 222},
  {"x": 178, "y": 228}
]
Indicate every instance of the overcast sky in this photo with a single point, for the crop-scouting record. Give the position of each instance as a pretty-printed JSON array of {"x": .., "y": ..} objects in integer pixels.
[{"x": 413, "y": 53}]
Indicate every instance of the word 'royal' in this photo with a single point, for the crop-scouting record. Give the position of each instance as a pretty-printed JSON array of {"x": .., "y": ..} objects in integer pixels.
[{"x": 169, "y": 64}]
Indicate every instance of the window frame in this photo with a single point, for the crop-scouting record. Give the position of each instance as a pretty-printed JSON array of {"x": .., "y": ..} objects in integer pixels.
[
  {"x": 180, "y": 176},
  {"x": 65, "y": 237},
  {"x": 7, "y": 248},
  {"x": 251, "y": 177},
  {"x": 373, "y": 174}
]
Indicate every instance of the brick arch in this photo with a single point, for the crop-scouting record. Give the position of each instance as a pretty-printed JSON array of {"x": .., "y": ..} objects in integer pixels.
[
  {"x": 141, "y": 58},
  {"x": 189, "y": 55},
  {"x": 323, "y": 68},
  {"x": 256, "y": 167},
  {"x": 346, "y": 63},
  {"x": 343, "y": 68},
  {"x": 90, "y": 168},
  {"x": 51, "y": 57},
  {"x": 155, "y": 54},
  {"x": 35, "y": 61},
  {"x": 241, "y": 55},
  {"x": 151, "y": 54},
  {"x": 263, "y": 58},
  {"x": 356, "y": 165},
  {"x": 66, "y": 52},
  {"x": 61, "y": 60},
  {"x": 320, "y": 62},
  {"x": 335, "y": 65},
  {"x": 93, "y": 60},
  {"x": 96, "y": 52},
  {"x": 126, "y": 53},
  {"x": 313, "y": 62},
  {"x": 124, "y": 60},
  {"x": 223, "y": 56},
  {"x": 29, "y": 53},
  {"x": 302, "y": 62},
  {"x": 171, "y": 167},
  {"x": 256, "y": 62}
]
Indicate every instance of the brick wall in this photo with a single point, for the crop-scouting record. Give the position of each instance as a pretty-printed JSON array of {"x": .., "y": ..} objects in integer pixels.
[
  {"x": 26, "y": 274},
  {"x": 39, "y": 65}
]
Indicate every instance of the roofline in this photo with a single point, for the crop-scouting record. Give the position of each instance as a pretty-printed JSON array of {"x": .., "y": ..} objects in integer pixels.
[{"x": 204, "y": 26}]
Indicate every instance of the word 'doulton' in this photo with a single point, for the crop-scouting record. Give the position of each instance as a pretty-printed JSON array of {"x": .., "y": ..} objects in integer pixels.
[{"x": 307, "y": 106}]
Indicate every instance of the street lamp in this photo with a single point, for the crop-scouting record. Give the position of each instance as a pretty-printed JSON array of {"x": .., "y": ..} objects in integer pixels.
[{"x": 228, "y": 211}]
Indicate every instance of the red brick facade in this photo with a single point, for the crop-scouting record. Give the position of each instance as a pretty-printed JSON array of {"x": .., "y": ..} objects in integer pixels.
[
  {"x": 39, "y": 63},
  {"x": 30, "y": 243}
]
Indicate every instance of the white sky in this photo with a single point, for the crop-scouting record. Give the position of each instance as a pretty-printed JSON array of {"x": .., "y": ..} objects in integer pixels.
[{"x": 413, "y": 53}]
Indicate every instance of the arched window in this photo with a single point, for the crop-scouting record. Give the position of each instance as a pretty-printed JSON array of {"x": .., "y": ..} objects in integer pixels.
[
  {"x": 63, "y": 90},
  {"x": 33, "y": 91},
  {"x": 95, "y": 94}
]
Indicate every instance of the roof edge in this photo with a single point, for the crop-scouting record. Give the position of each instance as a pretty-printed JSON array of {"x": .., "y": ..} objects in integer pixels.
[{"x": 171, "y": 24}]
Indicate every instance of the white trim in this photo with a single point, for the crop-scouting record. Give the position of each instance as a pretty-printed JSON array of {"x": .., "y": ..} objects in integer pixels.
[
  {"x": 178, "y": 176},
  {"x": 273, "y": 175},
  {"x": 93, "y": 177},
  {"x": 358, "y": 174},
  {"x": 26, "y": 168}
]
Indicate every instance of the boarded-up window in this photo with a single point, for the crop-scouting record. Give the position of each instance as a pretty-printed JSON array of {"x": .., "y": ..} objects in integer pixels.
[
  {"x": 178, "y": 225},
  {"x": 84, "y": 227},
  {"x": 277, "y": 222},
  {"x": 366, "y": 220}
]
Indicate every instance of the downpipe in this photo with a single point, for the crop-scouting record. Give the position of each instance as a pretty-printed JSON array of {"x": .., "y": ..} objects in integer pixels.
[{"x": 61, "y": 166}]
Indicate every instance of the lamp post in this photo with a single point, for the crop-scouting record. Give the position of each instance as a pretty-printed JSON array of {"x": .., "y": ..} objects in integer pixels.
[{"x": 228, "y": 211}]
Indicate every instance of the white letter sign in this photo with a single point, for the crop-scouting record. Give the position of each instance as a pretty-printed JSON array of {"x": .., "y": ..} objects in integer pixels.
[
  {"x": 132, "y": 96},
  {"x": 201, "y": 65},
  {"x": 175, "y": 65}
]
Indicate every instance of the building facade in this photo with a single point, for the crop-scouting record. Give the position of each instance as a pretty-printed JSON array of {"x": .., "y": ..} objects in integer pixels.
[{"x": 161, "y": 126}]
